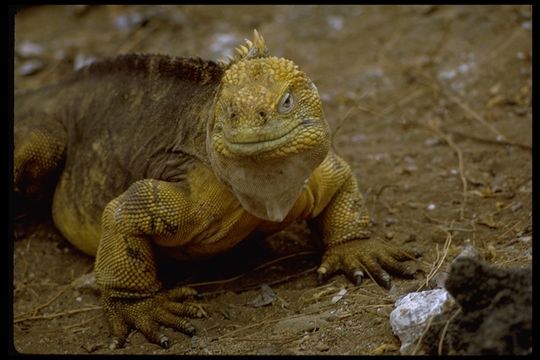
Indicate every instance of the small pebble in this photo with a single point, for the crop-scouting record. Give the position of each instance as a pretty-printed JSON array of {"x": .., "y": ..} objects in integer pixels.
[
  {"x": 516, "y": 206},
  {"x": 77, "y": 10},
  {"x": 322, "y": 347},
  {"x": 411, "y": 238},
  {"x": 31, "y": 67},
  {"x": 28, "y": 50},
  {"x": 521, "y": 110},
  {"x": 127, "y": 22},
  {"x": 431, "y": 207},
  {"x": 81, "y": 60},
  {"x": 431, "y": 142}
]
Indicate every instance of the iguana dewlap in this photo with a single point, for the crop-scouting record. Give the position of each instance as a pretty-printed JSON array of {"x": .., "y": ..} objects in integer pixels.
[{"x": 152, "y": 156}]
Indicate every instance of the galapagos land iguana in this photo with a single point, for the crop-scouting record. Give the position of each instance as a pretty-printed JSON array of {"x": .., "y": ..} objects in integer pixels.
[{"x": 150, "y": 155}]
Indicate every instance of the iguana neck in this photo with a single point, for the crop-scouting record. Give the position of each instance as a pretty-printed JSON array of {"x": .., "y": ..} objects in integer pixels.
[{"x": 268, "y": 189}]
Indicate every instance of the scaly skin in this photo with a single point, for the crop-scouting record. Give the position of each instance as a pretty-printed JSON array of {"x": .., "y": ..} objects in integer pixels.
[{"x": 184, "y": 158}]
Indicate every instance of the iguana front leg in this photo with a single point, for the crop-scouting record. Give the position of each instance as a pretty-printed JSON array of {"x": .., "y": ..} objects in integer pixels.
[
  {"x": 126, "y": 268},
  {"x": 343, "y": 223}
]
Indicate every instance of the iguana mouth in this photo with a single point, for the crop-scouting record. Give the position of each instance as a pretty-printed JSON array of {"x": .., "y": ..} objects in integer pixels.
[{"x": 253, "y": 141}]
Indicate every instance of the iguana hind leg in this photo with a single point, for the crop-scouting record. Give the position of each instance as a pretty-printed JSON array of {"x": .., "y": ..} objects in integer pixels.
[{"x": 40, "y": 149}]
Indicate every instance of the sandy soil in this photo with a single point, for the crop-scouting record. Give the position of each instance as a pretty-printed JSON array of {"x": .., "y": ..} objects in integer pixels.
[{"x": 431, "y": 106}]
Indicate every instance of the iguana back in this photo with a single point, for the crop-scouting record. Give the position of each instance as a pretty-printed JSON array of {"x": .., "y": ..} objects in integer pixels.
[{"x": 123, "y": 119}]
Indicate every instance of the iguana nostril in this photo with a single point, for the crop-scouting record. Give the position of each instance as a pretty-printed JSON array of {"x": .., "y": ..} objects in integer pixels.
[{"x": 262, "y": 114}]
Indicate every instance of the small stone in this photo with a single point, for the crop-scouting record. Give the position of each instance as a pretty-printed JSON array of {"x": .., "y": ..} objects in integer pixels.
[
  {"x": 77, "y": 10},
  {"x": 413, "y": 205},
  {"x": 322, "y": 347},
  {"x": 28, "y": 50},
  {"x": 31, "y": 67},
  {"x": 431, "y": 207},
  {"x": 431, "y": 142},
  {"x": 265, "y": 297},
  {"x": 389, "y": 235},
  {"x": 358, "y": 138},
  {"x": 341, "y": 293},
  {"x": 410, "y": 238},
  {"x": 515, "y": 206},
  {"x": 127, "y": 22},
  {"x": 82, "y": 60},
  {"x": 495, "y": 89},
  {"x": 468, "y": 250},
  {"x": 521, "y": 110}
]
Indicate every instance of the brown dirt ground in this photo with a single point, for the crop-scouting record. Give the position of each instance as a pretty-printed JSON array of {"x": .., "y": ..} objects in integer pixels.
[{"x": 432, "y": 107}]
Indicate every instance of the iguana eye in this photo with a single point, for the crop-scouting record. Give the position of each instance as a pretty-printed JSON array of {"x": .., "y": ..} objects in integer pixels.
[{"x": 286, "y": 103}]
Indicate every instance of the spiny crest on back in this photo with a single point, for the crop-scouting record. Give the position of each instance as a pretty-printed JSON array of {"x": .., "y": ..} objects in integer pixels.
[{"x": 253, "y": 50}]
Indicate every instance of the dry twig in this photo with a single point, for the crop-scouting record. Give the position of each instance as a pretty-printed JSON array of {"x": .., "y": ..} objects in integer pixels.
[
  {"x": 417, "y": 347},
  {"x": 436, "y": 129},
  {"x": 439, "y": 259},
  {"x": 51, "y": 316}
]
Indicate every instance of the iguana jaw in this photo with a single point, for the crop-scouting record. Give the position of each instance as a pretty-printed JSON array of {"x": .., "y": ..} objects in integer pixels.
[{"x": 249, "y": 142}]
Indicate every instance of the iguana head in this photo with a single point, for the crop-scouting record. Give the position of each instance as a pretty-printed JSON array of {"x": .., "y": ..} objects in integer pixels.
[{"x": 268, "y": 132}]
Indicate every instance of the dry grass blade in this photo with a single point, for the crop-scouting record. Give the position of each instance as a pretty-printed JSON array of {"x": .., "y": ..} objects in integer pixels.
[
  {"x": 34, "y": 311},
  {"x": 440, "y": 259},
  {"x": 473, "y": 114},
  {"x": 490, "y": 141},
  {"x": 428, "y": 325},
  {"x": 51, "y": 316}
]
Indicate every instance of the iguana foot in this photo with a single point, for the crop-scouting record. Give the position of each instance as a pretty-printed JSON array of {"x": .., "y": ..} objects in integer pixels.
[
  {"x": 366, "y": 257},
  {"x": 147, "y": 314}
]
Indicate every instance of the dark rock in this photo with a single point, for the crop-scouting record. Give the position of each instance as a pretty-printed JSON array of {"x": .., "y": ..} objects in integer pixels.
[{"x": 496, "y": 311}]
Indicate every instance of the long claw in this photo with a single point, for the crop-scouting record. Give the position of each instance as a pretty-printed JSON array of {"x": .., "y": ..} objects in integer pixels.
[
  {"x": 358, "y": 276},
  {"x": 146, "y": 315},
  {"x": 385, "y": 280},
  {"x": 320, "y": 278},
  {"x": 164, "y": 342}
]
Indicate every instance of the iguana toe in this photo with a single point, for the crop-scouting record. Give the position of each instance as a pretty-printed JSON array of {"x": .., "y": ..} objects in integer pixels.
[
  {"x": 147, "y": 314},
  {"x": 361, "y": 258}
]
